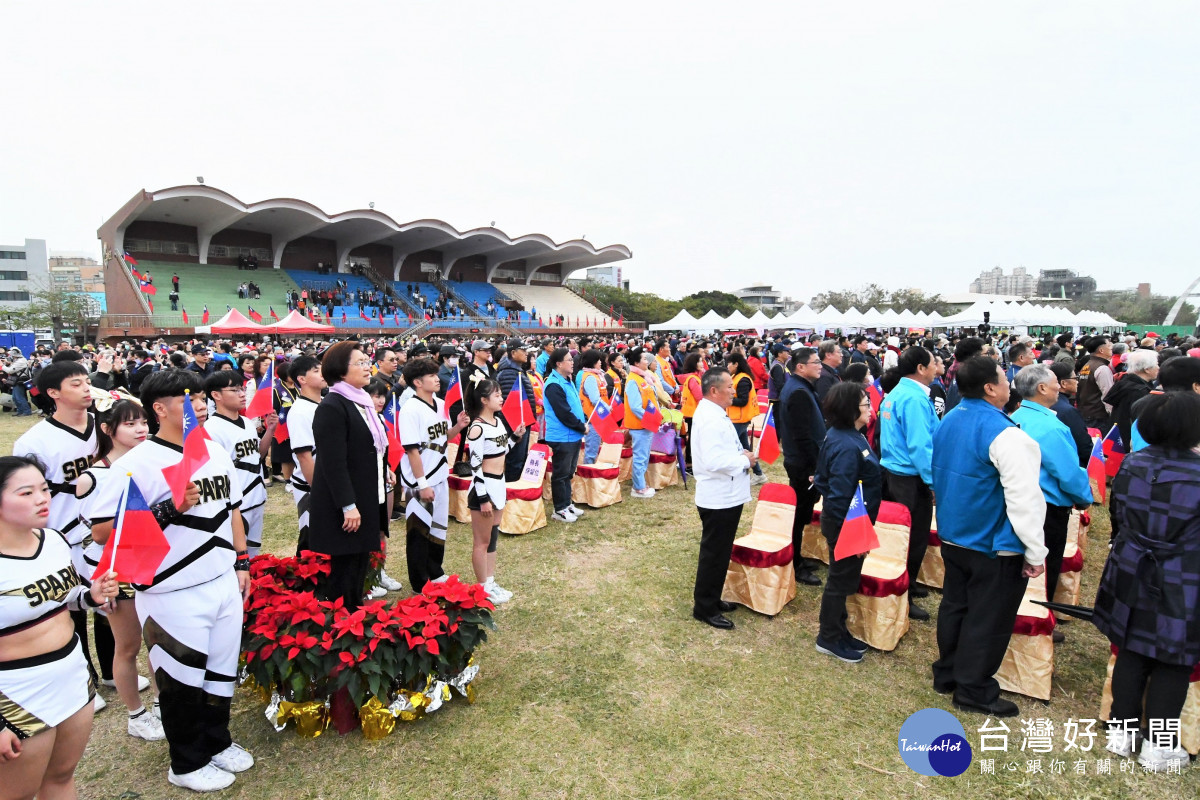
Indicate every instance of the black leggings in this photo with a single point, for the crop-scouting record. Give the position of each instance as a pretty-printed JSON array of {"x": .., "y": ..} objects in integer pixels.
[
  {"x": 347, "y": 576},
  {"x": 1165, "y": 687},
  {"x": 106, "y": 646}
]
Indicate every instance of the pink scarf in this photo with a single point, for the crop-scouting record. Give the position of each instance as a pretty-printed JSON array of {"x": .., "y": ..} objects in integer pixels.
[{"x": 360, "y": 398}]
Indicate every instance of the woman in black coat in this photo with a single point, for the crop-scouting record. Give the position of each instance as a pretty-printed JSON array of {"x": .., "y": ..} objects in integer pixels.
[{"x": 348, "y": 510}]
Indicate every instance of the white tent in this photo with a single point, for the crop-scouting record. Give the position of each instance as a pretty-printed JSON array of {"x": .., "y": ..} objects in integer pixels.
[
  {"x": 736, "y": 321},
  {"x": 871, "y": 318},
  {"x": 712, "y": 321},
  {"x": 683, "y": 321},
  {"x": 802, "y": 317}
]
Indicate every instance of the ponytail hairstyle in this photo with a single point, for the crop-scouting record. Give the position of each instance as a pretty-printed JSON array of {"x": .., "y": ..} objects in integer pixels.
[
  {"x": 474, "y": 400},
  {"x": 108, "y": 421}
]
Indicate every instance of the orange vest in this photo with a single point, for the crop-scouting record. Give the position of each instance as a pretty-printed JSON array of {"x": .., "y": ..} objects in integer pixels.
[
  {"x": 691, "y": 394},
  {"x": 539, "y": 388},
  {"x": 749, "y": 411},
  {"x": 601, "y": 387},
  {"x": 667, "y": 374},
  {"x": 647, "y": 393}
]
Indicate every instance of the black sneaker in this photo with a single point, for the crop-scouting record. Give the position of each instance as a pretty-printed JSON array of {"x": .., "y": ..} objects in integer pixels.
[
  {"x": 857, "y": 645},
  {"x": 918, "y": 591},
  {"x": 917, "y": 613},
  {"x": 839, "y": 650}
]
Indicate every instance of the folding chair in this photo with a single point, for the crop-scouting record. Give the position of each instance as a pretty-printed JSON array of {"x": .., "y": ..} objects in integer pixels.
[
  {"x": 761, "y": 576},
  {"x": 878, "y": 613}
]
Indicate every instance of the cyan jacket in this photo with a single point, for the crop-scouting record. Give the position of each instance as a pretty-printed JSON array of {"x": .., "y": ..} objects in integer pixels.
[
  {"x": 1063, "y": 481},
  {"x": 906, "y": 425},
  {"x": 565, "y": 421}
]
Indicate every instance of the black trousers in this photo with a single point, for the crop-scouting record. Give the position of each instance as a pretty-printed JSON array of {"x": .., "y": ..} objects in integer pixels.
[
  {"x": 718, "y": 530},
  {"x": 1163, "y": 686},
  {"x": 196, "y": 723},
  {"x": 806, "y": 498},
  {"x": 514, "y": 462},
  {"x": 980, "y": 598},
  {"x": 842, "y": 581},
  {"x": 912, "y": 493},
  {"x": 106, "y": 646},
  {"x": 423, "y": 552},
  {"x": 347, "y": 574},
  {"x": 1055, "y": 530},
  {"x": 566, "y": 457}
]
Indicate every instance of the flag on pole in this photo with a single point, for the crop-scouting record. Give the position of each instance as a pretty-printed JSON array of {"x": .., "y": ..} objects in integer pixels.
[
  {"x": 281, "y": 430},
  {"x": 263, "y": 402},
  {"x": 516, "y": 407},
  {"x": 1114, "y": 451},
  {"x": 391, "y": 411},
  {"x": 603, "y": 421},
  {"x": 363, "y": 313},
  {"x": 652, "y": 418},
  {"x": 618, "y": 406},
  {"x": 768, "y": 443},
  {"x": 343, "y": 316},
  {"x": 857, "y": 535},
  {"x": 396, "y": 318},
  {"x": 1096, "y": 470},
  {"x": 136, "y": 537},
  {"x": 129, "y": 259},
  {"x": 454, "y": 392},
  {"x": 150, "y": 303},
  {"x": 271, "y": 311},
  {"x": 147, "y": 286},
  {"x": 195, "y": 452},
  {"x": 204, "y": 317},
  {"x": 254, "y": 315},
  {"x": 185, "y": 317}
]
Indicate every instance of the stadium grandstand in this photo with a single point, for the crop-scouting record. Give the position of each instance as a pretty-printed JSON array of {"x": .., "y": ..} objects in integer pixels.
[{"x": 358, "y": 270}]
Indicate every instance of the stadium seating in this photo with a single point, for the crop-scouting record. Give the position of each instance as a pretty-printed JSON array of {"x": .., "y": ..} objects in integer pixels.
[
  {"x": 476, "y": 292},
  {"x": 354, "y": 283},
  {"x": 216, "y": 287},
  {"x": 550, "y": 301}
]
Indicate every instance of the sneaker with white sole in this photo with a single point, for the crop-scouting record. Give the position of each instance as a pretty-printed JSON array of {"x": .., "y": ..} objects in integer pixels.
[
  {"x": 758, "y": 480},
  {"x": 206, "y": 779},
  {"x": 839, "y": 650},
  {"x": 1120, "y": 741},
  {"x": 389, "y": 583},
  {"x": 146, "y": 726},
  {"x": 376, "y": 593},
  {"x": 563, "y": 516},
  {"x": 495, "y": 594},
  {"x": 643, "y": 494},
  {"x": 234, "y": 758},
  {"x": 440, "y": 579},
  {"x": 577, "y": 512},
  {"x": 1162, "y": 759},
  {"x": 143, "y": 683},
  {"x": 99, "y": 704}
]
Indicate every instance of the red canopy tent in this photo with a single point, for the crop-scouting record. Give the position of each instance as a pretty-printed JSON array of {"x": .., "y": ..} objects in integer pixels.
[
  {"x": 295, "y": 322},
  {"x": 236, "y": 322}
]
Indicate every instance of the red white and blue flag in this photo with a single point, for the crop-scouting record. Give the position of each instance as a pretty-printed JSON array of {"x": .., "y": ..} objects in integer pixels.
[
  {"x": 1115, "y": 451},
  {"x": 768, "y": 443},
  {"x": 204, "y": 318},
  {"x": 263, "y": 402},
  {"x": 147, "y": 286},
  {"x": 391, "y": 411},
  {"x": 602, "y": 420},
  {"x": 857, "y": 535},
  {"x": 130, "y": 260},
  {"x": 254, "y": 315},
  {"x": 185, "y": 317},
  {"x": 1108, "y": 448},
  {"x": 271, "y": 310},
  {"x": 136, "y": 540},
  {"x": 195, "y": 453},
  {"x": 618, "y": 406},
  {"x": 516, "y": 406},
  {"x": 652, "y": 418},
  {"x": 454, "y": 392},
  {"x": 281, "y": 430}
]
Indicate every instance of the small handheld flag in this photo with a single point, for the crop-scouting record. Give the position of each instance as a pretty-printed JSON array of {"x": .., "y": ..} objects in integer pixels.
[
  {"x": 652, "y": 418},
  {"x": 263, "y": 402},
  {"x": 516, "y": 407},
  {"x": 618, "y": 407},
  {"x": 768, "y": 443},
  {"x": 454, "y": 392},
  {"x": 391, "y": 412},
  {"x": 136, "y": 537},
  {"x": 602, "y": 420},
  {"x": 195, "y": 453},
  {"x": 857, "y": 535},
  {"x": 1114, "y": 451},
  {"x": 1096, "y": 468},
  {"x": 281, "y": 430}
]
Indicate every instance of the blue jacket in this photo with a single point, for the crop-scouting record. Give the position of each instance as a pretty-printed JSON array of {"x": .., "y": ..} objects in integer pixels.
[
  {"x": 564, "y": 413},
  {"x": 846, "y": 458},
  {"x": 906, "y": 425},
  {"x": 972, "y": 511},
  {"x": 1063, "y": 481},
  {"x": 1069, "y": 416}
]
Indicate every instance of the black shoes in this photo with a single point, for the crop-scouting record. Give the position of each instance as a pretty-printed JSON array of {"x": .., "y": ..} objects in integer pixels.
[
  {"x": 917, "y": 591},
  {"x": 858, "y": 645},
  {"x": 944, "y": 689},
  {"x": 725, "y": 608},
  {"x": 997, "y": 708},
  {"x": 807, "y": 578},
  {"x": 917, "y": 613},
  {"x": 716, "y": 620}
]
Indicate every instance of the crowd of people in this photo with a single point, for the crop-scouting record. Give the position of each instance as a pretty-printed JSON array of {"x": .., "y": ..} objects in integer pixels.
[{"x": 995, "y": 430}]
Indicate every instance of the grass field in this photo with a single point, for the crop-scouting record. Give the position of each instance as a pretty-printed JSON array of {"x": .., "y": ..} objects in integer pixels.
[{"x": 598, "y": 684}]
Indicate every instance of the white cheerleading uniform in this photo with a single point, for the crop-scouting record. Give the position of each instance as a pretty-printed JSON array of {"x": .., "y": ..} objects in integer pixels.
[
  {"x": 241, "y": 441},
  {"x": 39, "y": 692},
  {"x": 300, "y": 433},
  {"x": 66, "y": 453},
  {"x": 99, "y": 473},
  {"x": 425, "y": 427},
  {"x": 493, "y": 441}
]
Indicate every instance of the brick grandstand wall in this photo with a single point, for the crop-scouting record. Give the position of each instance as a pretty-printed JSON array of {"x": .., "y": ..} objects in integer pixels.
[{"x": 305, "y": 252}]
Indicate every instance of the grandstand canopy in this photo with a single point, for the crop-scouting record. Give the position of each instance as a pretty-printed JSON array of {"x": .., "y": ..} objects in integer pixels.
[{"x": 202, "y": 224}]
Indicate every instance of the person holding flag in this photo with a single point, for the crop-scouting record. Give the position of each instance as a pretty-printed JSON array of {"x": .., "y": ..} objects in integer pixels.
[
  {"x": 566, "y": 425},
  {"x": 514, "y": 378},
  {"x": 191, "y": 612},
  {"x": 593, "y": 393},
  {"x": 642, "y": 418},
  {"x": 850, "y": 480}
]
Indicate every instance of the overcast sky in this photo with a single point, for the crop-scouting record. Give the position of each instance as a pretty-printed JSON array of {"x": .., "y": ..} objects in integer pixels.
[{"x": 810, "y": 145}]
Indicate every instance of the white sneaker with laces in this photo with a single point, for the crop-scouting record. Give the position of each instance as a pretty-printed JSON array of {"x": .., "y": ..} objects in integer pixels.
[
  {"x": 376, "y": 593},
  {"x": 143, "y": 683},
  {"x": 206, "y": 779},
  {"x": 758, "y": 480},
  {"x": 99, "y": 704},
  {"x": 577, "y": 512},
  {"x": 1161, "y": 759},
  {"x": 389, "y": 583},
  {"x": 234, "y": 758},
  {"x": 1120, "y": 742},
  {"x": 440, "y": 579},
  {"x": 146, "y": 726},
  {"x": 504, "y": 593},
  {"x": 563, "y": 516},
  {"x": 494, "y": 593},
  {"x": 643, "y": 494}
]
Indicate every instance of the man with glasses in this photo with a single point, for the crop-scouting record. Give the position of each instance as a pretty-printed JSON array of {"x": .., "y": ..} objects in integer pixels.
[
  {"x": 387, "y": 363},
  {"x": 201, "y": 361},
  {"x": 801, "y": 430},
  {"x": 1067, "y": 414},
  {"x": 247, "y": 441}
]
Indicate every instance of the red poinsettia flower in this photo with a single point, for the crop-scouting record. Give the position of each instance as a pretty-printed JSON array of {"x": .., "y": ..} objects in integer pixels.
[{"x": 351, "y": 623}]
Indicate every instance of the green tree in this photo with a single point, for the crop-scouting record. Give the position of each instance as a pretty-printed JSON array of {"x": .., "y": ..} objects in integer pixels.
[
  {"x": 723, "y": 303},
  {"x": 864, "y": 298},
  {"x": 53, "y": 308},
  {"x": 1134, "y": 309}
]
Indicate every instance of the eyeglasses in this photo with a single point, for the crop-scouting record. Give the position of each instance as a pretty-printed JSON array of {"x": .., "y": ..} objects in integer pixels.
[{"x": 362, "y": 362}]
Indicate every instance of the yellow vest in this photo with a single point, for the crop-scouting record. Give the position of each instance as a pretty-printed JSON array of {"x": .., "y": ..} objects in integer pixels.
[
  {"x": 691, "y": 394},
  {"x": 601, "y": 387},
  {"x": 749, "y": 411},
  {"x": 647, "y": 393},
  {"x": 668, "y": 376}
]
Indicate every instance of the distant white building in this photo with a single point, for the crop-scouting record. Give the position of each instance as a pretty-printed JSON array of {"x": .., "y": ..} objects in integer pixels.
[
  {"x": 993, "y": 281},
  {"x": 764, "y": 296},
  {"x": 23, "y": 268},
  {"x": 609, "y": 275}
]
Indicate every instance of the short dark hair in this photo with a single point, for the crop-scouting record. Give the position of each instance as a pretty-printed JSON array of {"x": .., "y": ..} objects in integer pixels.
[
  {"x": 171, "y": 382},
  {"x": 912, "y": 358},
  {"x": 118, "y": 414},
  {"x": 12, "y": 464},
  {"x": 1063, "y": 370},
  {"x": 691, "y": 363},
  {"x": 378, "y": 388},
  {"x": 974, "y": 374},
  {"x": 1179, "y": 374},
  {"x": 589, "y": 358},
  {"x": 969, "y": 347},
  {"x": 335, "y": 362},
  {"x": 660, "y": 344},
  {"x": 302, "y": 366},
  {"x": 801, "y": 355},
  {"x": 381, "y": 352},
  {"x": 418, "y": 368},
  {"x": 555, "y": 359},
  {"x": 712, "y": 378},
  {"x": 842, "y": 403},
  {"x": 856, "y": 372},
  {"x": 66, "y": 355},
  {"x": 53, "y": 375},
  {"x": 1095, "y": 343},
  {"x": 634, "y": 356},
  {"x": 222, "y": 380},
  {"x": 1171, "y": 419},
  {"x": 1017, "y": 350}
]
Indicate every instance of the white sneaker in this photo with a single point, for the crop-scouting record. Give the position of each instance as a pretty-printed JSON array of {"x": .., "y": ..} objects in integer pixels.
[
  {"x": 1121, "y": 742},
  {"x": 206, "y": 779},
  {"x": 146, "y": 726},
  {"x": 757, "y": 480},
  {"x": 389, "y": 583},
  {"x": 156, "y": 710},
  {"x": 643, "y": 494},
  {"x": 440, "y": 579},
  {"x": 234, "y": 758},
  {"x": 99, "y": 705},
  {"x": 376, "y": 593},
  {"x": 143, "y": 683},
  {"x": 495, "y": 593},
  {"x": 1161, "y": 759},
  {"x": 577, "y": 512},
  {"x": 563, "y": 516}
]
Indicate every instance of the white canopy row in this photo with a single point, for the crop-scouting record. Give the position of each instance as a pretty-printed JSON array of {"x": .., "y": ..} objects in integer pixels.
[{"x": 1001, "y": 314}]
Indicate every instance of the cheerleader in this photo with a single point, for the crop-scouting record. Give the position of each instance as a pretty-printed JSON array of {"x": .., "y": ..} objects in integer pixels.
[
  {"x": 489, "y": 438},
  {"x": 122, "y": 427},
  {"x": 45, "y": 689}
]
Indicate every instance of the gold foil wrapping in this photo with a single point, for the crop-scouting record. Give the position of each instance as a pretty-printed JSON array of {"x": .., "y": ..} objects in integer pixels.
[
  {"x": 311, "y": 717},
  {"x": 377, "y": 721}
]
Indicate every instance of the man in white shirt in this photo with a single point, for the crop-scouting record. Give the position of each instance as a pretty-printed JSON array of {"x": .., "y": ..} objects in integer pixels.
[{"x": 721, "y": 468}]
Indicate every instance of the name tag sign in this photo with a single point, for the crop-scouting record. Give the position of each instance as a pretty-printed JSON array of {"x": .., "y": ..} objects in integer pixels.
[{"x": 535, "y": 464}]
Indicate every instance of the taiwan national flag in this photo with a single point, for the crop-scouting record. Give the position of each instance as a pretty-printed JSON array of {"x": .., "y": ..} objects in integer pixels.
[
  {"x": 516, "y": 406},
  {"x": 652, "y": 418},
  {"x": 204, "y": 317},
  {"x": 768, "y": 443},
  {"x": 1115, "y": 451},
  {"x": 130, "y": 260},
  {"x": 185, "y": 318},
  {"x": 136, "y": 547},
  {"x": 271, "y": 311},
  {"x": 618, "y": 407},
  {"x": 263, "y": 402},
  {"x": 391, "y": 413},
  {"x": 195, "y": 453},
  {"x": 147, "y": 286},
  {"x": 150, "y": 303},
  {"x": 454, "y": 392},
  {"x": 254, "y": 315},
  {"x": 281, "y": 430},
  {"x": 1096, "y": 467},
  {"x": 857, "y": 535},
  {"x": 603, "y": 421},
  {"x": 363, "y": 314},
  {"x": 396, "y": 317}
]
